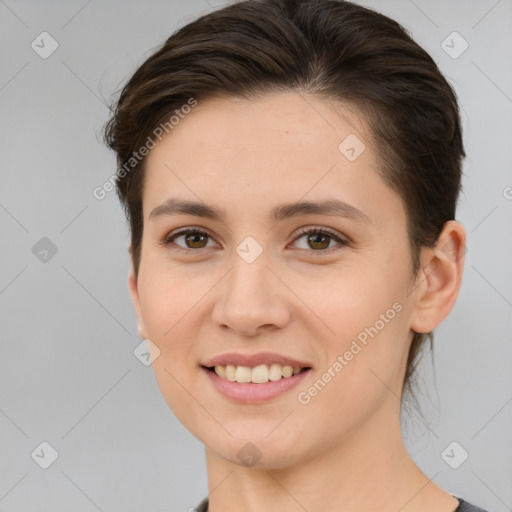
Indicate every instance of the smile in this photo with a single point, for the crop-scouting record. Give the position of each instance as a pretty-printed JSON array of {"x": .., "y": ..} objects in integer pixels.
[
  {"x": 257, "y": 384},
  {"x": 258, "y": 374}
]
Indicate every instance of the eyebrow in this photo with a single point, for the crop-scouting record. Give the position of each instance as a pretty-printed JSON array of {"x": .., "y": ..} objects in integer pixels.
[{"x": 333, "y": 207}]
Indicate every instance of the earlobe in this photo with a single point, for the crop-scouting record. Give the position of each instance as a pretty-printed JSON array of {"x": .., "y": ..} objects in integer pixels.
[
  {"x": 134, "y": 292},
  {"x": 439, "y": 279}
]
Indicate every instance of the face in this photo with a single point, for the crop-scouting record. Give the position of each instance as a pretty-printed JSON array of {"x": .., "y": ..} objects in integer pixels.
[{"x": 256, "y": 281}]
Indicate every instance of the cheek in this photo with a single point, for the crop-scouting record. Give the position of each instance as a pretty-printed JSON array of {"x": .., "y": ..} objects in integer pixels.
[
  {"x": 363, "y": 367},
  {"x": 167, "y": 298},
  {"x": 170, "y": 305},
  {"x": 350, "y": 301},
  {"x": 366, "y": 354}
]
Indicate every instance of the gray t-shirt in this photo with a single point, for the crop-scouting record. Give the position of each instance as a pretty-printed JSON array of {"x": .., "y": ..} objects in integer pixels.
[{"x": 464, "y": 506}]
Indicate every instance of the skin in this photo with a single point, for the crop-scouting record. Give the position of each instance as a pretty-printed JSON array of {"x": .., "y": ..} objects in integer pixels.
[{"x": 344, "y": 449}]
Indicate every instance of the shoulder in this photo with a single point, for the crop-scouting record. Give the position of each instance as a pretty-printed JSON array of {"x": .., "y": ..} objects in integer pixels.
[{"x": 465, "y": 506}]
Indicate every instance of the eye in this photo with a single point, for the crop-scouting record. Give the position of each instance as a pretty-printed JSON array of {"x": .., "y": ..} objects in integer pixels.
[
  {"x": 319, "y": 239},
  {"x": 193, "y": 238},
  {"x": 316, "y": 239}
]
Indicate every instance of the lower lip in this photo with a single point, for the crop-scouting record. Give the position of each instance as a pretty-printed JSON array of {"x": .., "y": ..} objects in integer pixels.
[{"x": 251, "y": 393}]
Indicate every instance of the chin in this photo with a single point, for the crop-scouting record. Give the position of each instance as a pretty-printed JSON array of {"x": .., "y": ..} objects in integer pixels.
[{"x": 257, "y": 451}]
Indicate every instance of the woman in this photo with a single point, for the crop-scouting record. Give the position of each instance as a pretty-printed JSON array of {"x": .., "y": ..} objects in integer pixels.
[{"x": 290, "y": 171}]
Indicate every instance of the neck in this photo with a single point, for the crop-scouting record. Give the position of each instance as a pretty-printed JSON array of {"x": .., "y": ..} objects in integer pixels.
[{"x": 369, "y": 470}]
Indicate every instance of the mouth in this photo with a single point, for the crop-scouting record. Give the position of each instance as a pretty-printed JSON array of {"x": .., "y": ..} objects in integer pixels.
[
  {"x": 255, "y": 384},
  {"x": 259, "y": 374},
  {"x": 255, "y": 378}
]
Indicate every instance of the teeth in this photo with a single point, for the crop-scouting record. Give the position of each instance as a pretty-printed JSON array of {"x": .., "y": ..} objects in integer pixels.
[
  {"x": 287, "y": 371},
  {"x": 221, "y": 371},
  {"x": 243, "y": 374},
  {"x": 259, "y": 374},
  {"x": 275, "y": 372},
  {"x": 230, "y": 372}
]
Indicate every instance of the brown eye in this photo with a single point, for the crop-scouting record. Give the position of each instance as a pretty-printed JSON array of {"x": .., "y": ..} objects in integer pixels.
[
  {"x": 196, "y": 240},
  {"x": 193, "y": 239},
  {"x": 319, "y": 239}
]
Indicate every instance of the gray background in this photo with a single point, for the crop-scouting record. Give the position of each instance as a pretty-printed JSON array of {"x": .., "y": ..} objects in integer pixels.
[{"x": 68, "y": 375}]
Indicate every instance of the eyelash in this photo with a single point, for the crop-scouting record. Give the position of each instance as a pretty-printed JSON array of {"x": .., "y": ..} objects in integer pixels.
[{"x": 302, "y": 231}]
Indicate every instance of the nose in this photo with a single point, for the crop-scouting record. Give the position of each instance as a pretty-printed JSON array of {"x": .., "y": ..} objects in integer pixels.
[{"x": 252, "y": 299}]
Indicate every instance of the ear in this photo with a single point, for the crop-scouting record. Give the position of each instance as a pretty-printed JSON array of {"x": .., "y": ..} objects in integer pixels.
[
  {"x": 134, "y": 292},
  {"x": 439, "y": 279}
]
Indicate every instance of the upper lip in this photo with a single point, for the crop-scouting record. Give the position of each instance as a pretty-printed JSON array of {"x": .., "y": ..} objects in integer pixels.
[{"x": 238, "y": 359}]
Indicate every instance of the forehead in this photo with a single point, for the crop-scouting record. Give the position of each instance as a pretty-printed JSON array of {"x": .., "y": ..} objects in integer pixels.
[
  {"x": 273, "y": 149},
  {"x": 279, "y": 122}
]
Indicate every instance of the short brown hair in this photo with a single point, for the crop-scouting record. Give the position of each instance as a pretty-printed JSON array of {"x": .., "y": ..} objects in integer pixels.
[{"x": 331, "y": 48}]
